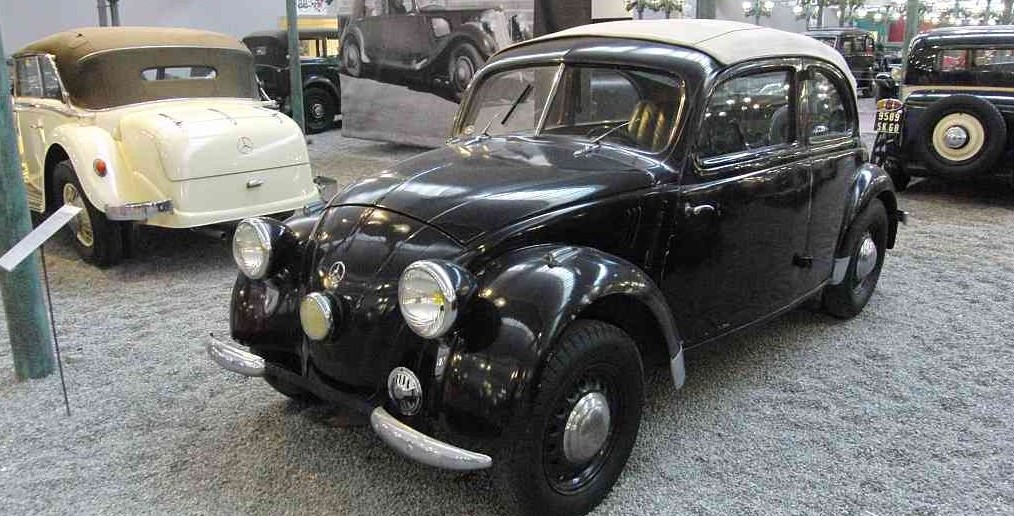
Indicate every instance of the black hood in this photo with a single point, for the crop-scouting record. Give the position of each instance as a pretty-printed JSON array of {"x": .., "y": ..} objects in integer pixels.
[{"x": 467, "y": 190}]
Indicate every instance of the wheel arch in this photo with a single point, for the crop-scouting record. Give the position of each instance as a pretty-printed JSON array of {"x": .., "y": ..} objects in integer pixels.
[
  {"x": 82, "y": 145},
  {"x": 525, "y": 301},
  {"x": 476, "y": 38},
  {"x": 54, "y": 155},
  {"x": 869, "y": 183}
]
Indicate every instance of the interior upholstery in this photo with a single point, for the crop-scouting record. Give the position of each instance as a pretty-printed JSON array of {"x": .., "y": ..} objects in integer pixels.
[{"x": 650, "y": 124}]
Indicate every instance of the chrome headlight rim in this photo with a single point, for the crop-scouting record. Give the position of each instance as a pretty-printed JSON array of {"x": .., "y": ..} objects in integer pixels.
[
  {"x": 323, "y": 306},
  {"x": 262, "y": 230},
  {"x": 441, "y": 276}
]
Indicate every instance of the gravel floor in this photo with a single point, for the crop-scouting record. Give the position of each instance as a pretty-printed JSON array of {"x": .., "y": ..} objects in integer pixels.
[{"x": 904, "y": 409}]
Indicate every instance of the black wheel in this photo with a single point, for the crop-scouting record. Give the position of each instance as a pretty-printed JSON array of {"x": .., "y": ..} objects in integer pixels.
[
  {"x": 885, "y": 155},
  {"x": 352, "y": 58},
  {"x": 571, "y": 441},
  {"x": 865, "y": 244},
  {"x": 320, "y": 109},
  {"x": 98, "y": 240},
  {"x": 465, "y": 61},
  {"x": 961, "y": 135},
  {"x": 293, "y": 392}
]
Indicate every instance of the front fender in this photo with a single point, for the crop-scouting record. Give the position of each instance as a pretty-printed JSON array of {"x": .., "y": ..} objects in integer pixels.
[
  {"x": 870, "y": 182},
  {"x": 83, "y": 145},
  {"x": 473, "y": 33},
  {"x": 320, "y": 81},
  {"x": 524, "y": 302}
]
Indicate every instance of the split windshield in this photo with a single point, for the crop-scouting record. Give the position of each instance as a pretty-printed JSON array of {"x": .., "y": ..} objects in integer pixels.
[{"x": 628, "y": 107}]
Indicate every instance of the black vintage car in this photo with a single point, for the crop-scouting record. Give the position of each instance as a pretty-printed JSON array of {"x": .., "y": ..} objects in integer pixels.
[
  {"x": 956, "y": 106},
  {"x": 424, "y": 44},
  {"x": 320, "y": 67},
  {"x": 612, "y": 195},
  {"x": 858, "y": 48}
]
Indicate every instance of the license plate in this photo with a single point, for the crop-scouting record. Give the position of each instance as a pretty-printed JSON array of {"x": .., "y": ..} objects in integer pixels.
[{"x": 888, "y": 121}]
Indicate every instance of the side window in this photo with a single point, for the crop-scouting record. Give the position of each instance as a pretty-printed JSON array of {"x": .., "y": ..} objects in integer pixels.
[
  {"x": 827, "y": 113},
  {"x": 29, "y": 79},
  {"x": 748, "y": 112},
  {"x": 50, "y": 79}
]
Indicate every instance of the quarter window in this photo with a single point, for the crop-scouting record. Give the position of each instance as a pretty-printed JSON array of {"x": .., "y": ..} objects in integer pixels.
[
  {"x": 827, "y": 115},
  {"x": 748, "y": 112},
  {"x": 29, "y": 80},
  {"x": 50, "y": 80}
]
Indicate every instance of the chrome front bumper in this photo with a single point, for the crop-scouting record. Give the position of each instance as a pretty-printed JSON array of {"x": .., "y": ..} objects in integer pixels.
[
  {"x": 234, "y": 359},
  {"x": 138, "y": 211},
  {"x": 403, "y": 438},
  {"x": 423, "y": 448}
]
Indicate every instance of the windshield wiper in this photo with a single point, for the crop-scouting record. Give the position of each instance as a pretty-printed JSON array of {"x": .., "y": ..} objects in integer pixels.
[
  {"x": 597, "y": 142},
  {"x": 508, "y": 112}
]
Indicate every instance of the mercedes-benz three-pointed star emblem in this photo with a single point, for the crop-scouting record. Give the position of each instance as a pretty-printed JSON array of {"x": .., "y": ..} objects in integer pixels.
[
  {"x": 245, "y": 145},
  {"x": 334, "y": 275}
]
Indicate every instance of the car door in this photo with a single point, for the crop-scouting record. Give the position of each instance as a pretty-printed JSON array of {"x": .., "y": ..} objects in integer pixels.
[
  {"x": 830, "y": 129},
  {"x": 29, "y": 109},
  {"x": 741, "y": 211},
  {"x": 408, "y": 35}
]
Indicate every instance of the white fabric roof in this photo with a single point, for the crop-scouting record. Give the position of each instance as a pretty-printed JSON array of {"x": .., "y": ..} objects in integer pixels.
[{"x": 727, "y": 41}]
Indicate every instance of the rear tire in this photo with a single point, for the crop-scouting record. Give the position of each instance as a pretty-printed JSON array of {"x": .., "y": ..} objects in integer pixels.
[
  {"x": 566, "y": 450},
  {"x": 97, "y": 239},
  {"x": 846, "y": 299},
  {"x": 463, "y": 64}
]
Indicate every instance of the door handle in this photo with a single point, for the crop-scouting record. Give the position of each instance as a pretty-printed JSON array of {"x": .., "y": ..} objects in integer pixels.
[
  {"x": 700, "y": 210},
  {"x": 35, "y": 126}
]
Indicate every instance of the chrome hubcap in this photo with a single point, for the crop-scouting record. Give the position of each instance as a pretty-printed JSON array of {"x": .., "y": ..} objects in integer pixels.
[
  {"x": 318, "y": 110},
  {"x": 587, "y": 428},
  {"x": 866, "y": 260},
  {"x": 464, "y": 71},
  {"x": 80, "y": 226},
  {"x": 955, "y": 137}
]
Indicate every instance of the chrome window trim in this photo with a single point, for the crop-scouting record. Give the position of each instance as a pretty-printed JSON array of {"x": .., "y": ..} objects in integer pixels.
[{"x": 550, "y": 98}]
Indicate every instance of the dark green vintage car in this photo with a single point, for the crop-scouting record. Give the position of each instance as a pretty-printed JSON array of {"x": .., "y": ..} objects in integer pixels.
[{"x": 318, "y": 62}]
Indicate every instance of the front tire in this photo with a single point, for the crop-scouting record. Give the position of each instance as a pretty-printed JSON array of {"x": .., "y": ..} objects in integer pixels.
[
  {"x": 572, "y": 440},
  {"x": 865, "y": 244},
  {"x": 319, "y": 109},
  {"x": 98, "y": 240}
]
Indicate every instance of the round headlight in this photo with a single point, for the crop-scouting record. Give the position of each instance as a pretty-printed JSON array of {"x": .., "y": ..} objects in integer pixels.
[
  {"x": 251, "y": 248},
  {"x": 427, "y": 299},
  {"x": 316, "y": 316}
]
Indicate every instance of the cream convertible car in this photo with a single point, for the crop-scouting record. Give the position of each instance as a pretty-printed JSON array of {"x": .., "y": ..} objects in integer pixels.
[{"x": 164, "y": 127}]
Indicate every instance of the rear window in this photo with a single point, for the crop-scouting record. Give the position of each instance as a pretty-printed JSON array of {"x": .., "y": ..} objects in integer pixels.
[
  {"x": 175, "y": 73},
  {"x": 981, "y": 66}
]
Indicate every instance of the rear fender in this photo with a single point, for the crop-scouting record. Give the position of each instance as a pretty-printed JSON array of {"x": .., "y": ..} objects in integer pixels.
[
  {"x": 869, "y": 183},
  {"x": 85, "y": 144},
  {"x": 524, "y": 301}
]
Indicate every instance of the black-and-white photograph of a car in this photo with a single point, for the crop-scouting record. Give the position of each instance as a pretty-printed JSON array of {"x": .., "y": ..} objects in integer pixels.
[{"x": 434, "y": 46}]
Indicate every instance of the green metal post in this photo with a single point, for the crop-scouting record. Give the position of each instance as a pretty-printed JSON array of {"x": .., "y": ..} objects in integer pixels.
[
  {"x": 911, "y": 26},
  {"x": 27, "y": 322},
  {"x": 295, "y": 74}
]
